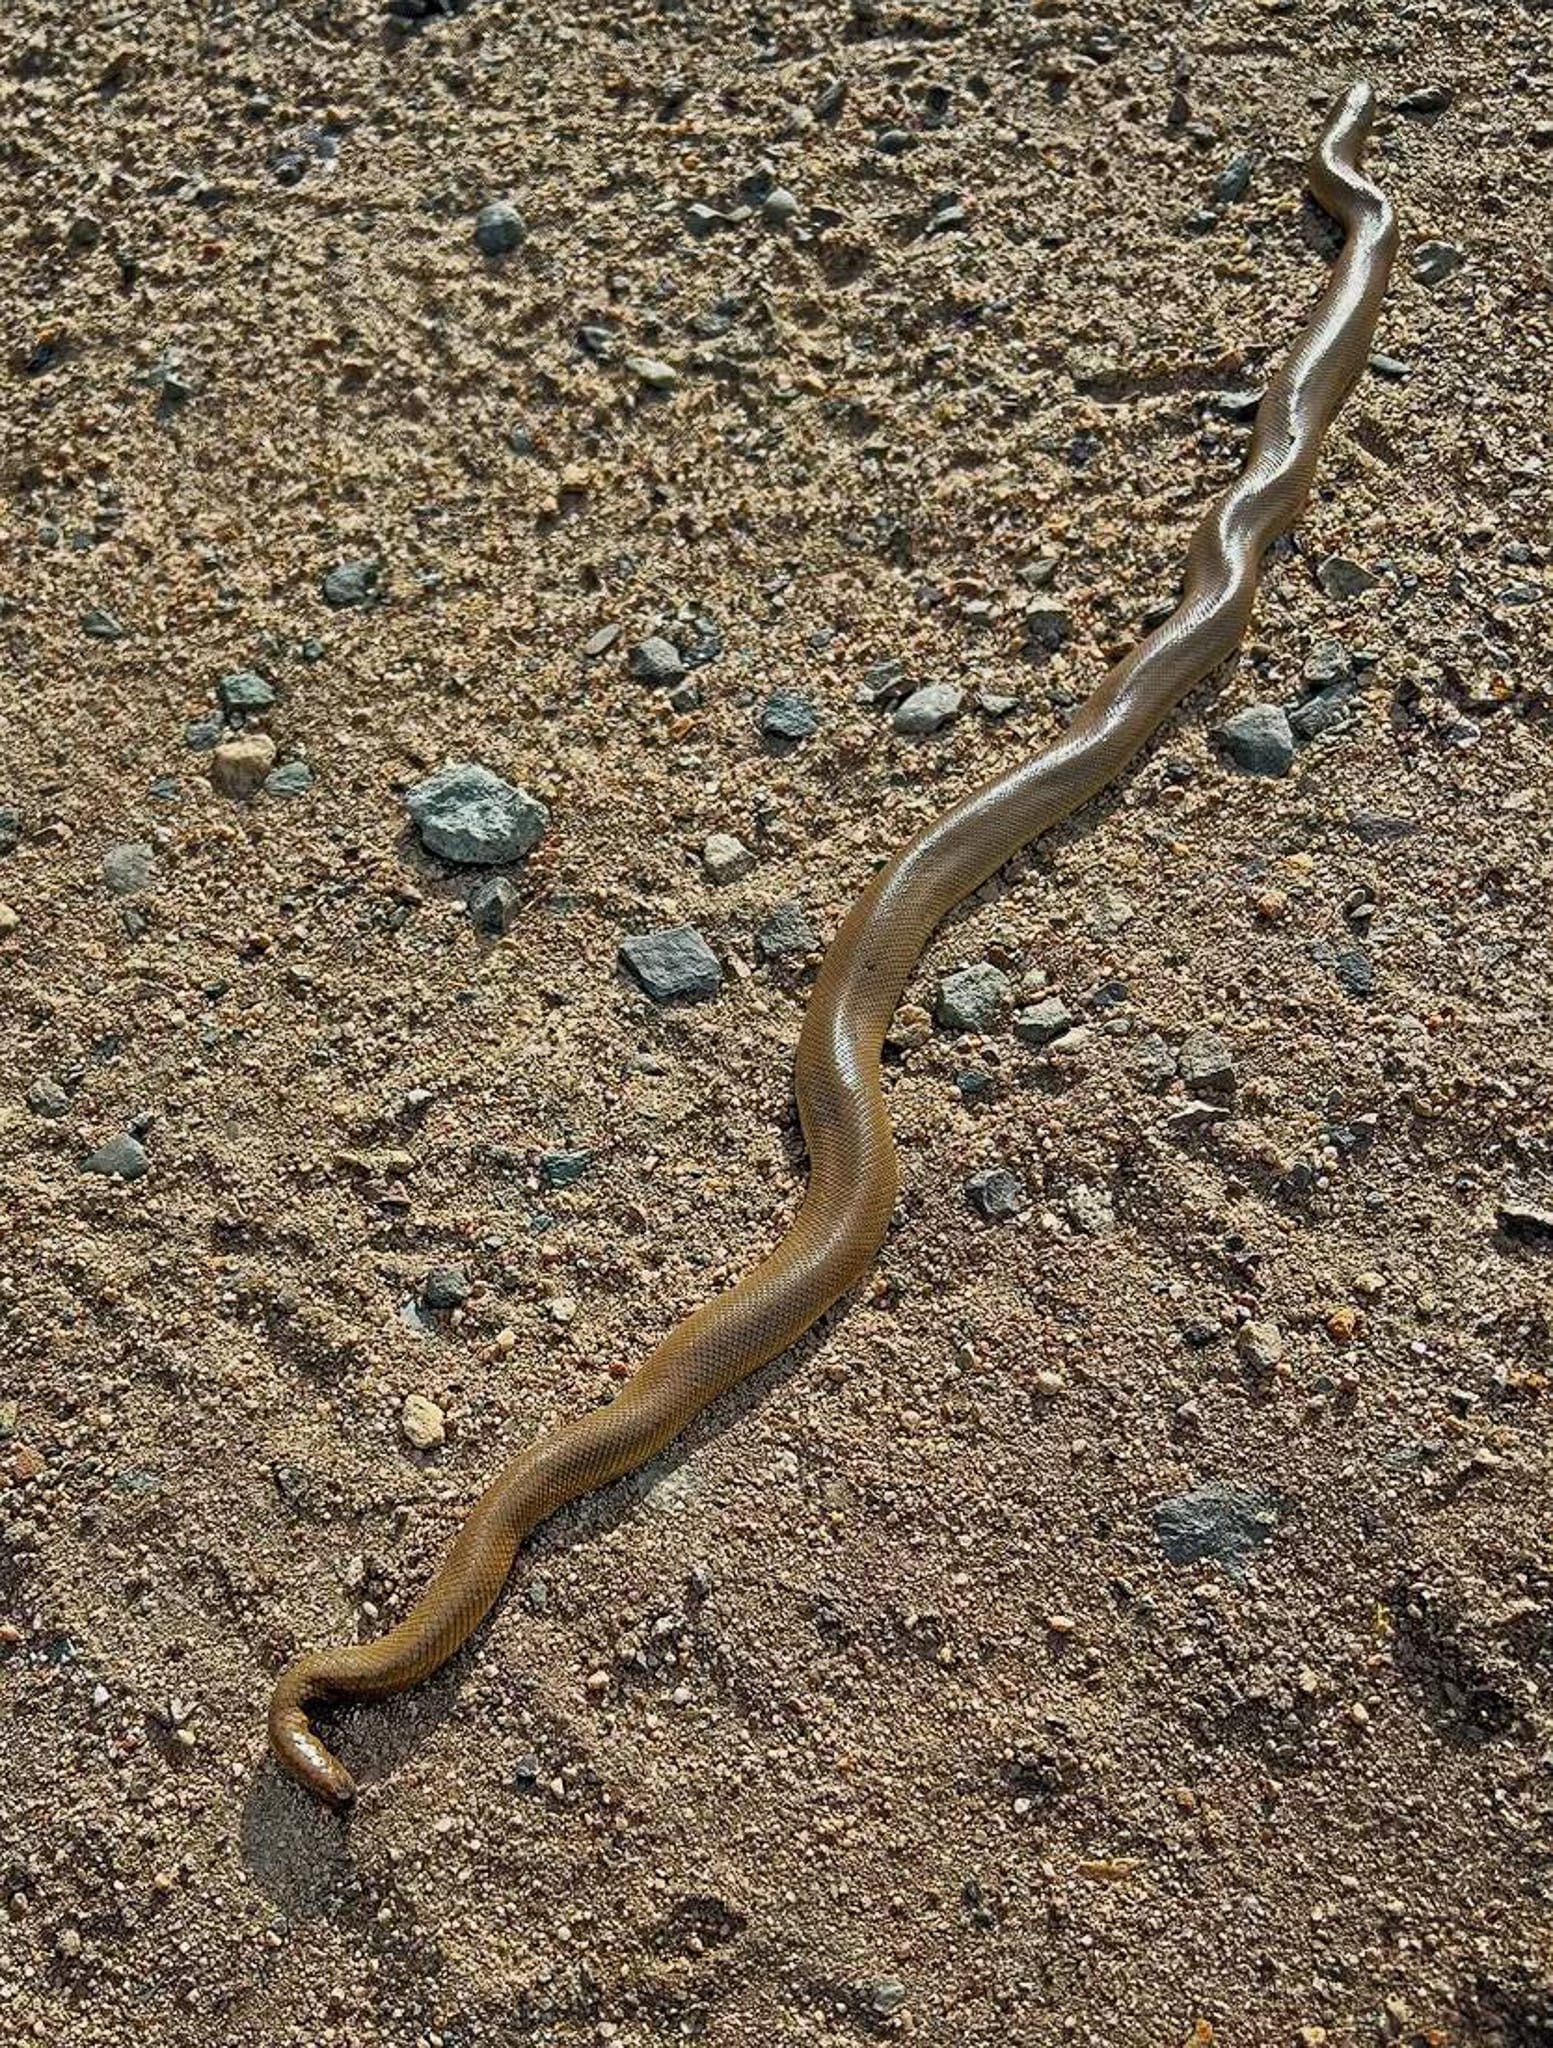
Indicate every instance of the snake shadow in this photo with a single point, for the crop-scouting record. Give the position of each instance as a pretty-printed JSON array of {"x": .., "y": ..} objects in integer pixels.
[{"x": 298, "y": 1850}]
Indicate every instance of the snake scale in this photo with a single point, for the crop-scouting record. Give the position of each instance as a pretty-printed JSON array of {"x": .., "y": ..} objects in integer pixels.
[{"x": 853, "y": 1176}]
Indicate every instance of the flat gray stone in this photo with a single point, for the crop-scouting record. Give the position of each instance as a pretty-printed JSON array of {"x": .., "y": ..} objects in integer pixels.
[
  {"x": 351, "y": 583},
  {"x": 244, "y": 691},
  {"x": 1041, "y": 1022},
  {"x": 973, "y": 998},
  {"x": 675, "y": 965},
  {"x": 464, "y": 813},
  {"x": 291, "y": 778},
  {"x": 997, "y": 1193},
  {"x": 1204, "y": 1062},
  {"x": 121, "y": 1158},
  {"x": 786, "y": 715},
  {"x": 785, "y": 931},
  {"x": 1341, "y": 578},
  {"x": 130, "y": 868},
  {"x": 656, "y": 660},
  {"x": 925, "y": 710},
  {"x": 493, "y": 904},
  {"x": 1432, "y": 262},
  {"x": 725, "y": 858},
  {"x": 1217, "y": 1523},
  {"x": 1259, "y": 740}
]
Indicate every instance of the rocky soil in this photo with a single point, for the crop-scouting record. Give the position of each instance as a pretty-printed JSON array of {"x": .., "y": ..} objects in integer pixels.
[{"x": 735, "y": 432}]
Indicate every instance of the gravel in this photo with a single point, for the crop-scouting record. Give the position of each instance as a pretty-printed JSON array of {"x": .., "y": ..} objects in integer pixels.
[
  {"x": 675, "y": 965},
  {"x": 467, "y": 814}
]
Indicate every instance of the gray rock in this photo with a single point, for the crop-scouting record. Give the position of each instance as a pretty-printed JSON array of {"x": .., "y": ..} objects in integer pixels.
[
  {"x": 882, "y": 682},
  {"x": 1041, "y": 1022},
  {"x": 46, "y": 1098},
  {"x": 779, "y": 207},
  {"x": 129, "y": 868},
  {"x": 564, "y": 1169},
  {"x": 786, "y": 931},
  {"x": 997, "y": 1193},
  {"x": 444, "y": 1288},
  {"x": 498, "y": 228},
  {"x": 243, "y": 691},
  {"x": 121, "y": 1158},
  {"x": 885, "y": 1996},
  {"x": 1216, "y": 1523},
  {"x": 291, "y": 778},
  {"x": 653, "y": 372},
  {"x": 1432, "y": 262},
  {"x": 1238, "y": 405},
  {"x": 1375, "y": 828},
  {"x": 10, "y": 829},
  {"x": 675, "y": 965},
  {"x": 1324, "y": 712},
  {"x": 786, "y": 715},
  {"x": 1204, "y": 1062},
  {"x": 1153, "y": 1062},
  {"x": 895, "y": 142},
  {"x": 99, "y": 624},
  {"x": 656, "y": 660},
  {"x": 702, "y": 220},
  {"x": 1354, "y": 972},
  {"x": 973, "y": 998},
  {"x": 1429, "y": 99},
  {"x": 1046, "y": 627},
  {"x": 1232, "y": 182},
  {"x": 200, "y": 735},
  {"x": 465, "y": 813},
  {"x": 1341, "y": 578},
  {"x": 351, "y": 583},
  {"x": 725, "y": 858},
  {"x": 925, "y": 710},
  {"x": 1258, "y": 740},
  {"x": 493, "y": 904}
]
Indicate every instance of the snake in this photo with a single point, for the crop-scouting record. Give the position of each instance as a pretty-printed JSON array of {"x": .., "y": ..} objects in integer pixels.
[{"x": 854, "y": 1178}]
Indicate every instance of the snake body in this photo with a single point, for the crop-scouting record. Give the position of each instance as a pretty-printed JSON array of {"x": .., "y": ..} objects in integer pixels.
[{"x": 853, "y": 1177}]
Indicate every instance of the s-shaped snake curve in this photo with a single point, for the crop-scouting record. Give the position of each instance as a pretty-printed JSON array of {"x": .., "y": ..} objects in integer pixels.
[{"x": 853, "y": 1177}]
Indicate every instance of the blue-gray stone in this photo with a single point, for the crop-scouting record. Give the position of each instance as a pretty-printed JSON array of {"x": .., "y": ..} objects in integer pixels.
[
  {"x": 786, "y": 715},
  {"x": 785, "y": 931},
  {"x": 925, "y": 710},
  {"x": 129, "y": 868},
  {"x": 351, "y": 583},
  {"x": 465, "y": 813},
  {"x": 122, "y": 1158},
  {"x": 99, "y": 624},
  {"x": 202, "y": 734},
  {"x": 1216, "y": 1523},
  {"x": 564, "y": 1169},
  {"x": 244, "y": 691},
  {"x": 498, "y": 228},
  {"x": 1233, "y": 180},
  {"x": 1341, "y": 578},
  {"x": 997, "y": 1193},
  {"x": 973, "y": 998},
  {"x": 444, "y": 1288},
  {"x": 656, "y": 660},
  {"x": 1041, "y": 1022},
  {"x": 1433, "y": 262},
  {"x": 1258, "y": 739},
  {"x": 493, "y": 904},
  {"x": 675, "y": 965},
  {"x": 291, "y": 778}
]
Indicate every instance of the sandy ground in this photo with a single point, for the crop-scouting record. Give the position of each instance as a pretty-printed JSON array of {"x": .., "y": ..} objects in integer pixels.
[{"x": 876, "y": 1709}]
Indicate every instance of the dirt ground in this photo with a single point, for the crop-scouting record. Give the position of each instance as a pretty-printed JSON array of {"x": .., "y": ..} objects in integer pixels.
[{"x": 878, "y": 1707}]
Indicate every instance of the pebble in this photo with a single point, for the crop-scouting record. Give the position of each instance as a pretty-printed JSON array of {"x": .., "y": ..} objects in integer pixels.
[
  {"x": 1354, "y": 972},
  {"x": 655, "y": 374},
  {"x": 498, "y": 228},
  {"x": 122, "y": 1158},
  {"x": 1432, "y": 262},
  {"x": 10, "y": 829},
  {"x": 99, "y": 624},
  {"x": 1260, "y": 1344},
  {"x": 351, "y": 583},
  {"x": 785, "y": 931},
  {"x": 292, "y": 778},
  {"x": 444, "y": 1288},
  {"x": 239, "y": 766},
  {"x": 786, "y": 715},
  {"x": 779, "y": 207},
  {"x": 1041, "y": 1022},
  {"x": 1258, "y": 740},
  {"x": 725, "y": 858},
  {"x": 493, "y": 904},
  {"x": 675, "y": 965},
  {"x": 46, "y": 1098},
  {"x": 423, "y": 1422},
  {"x": 564, "y": 1169},
  {"x": 1153, "y": 1062},
  {"x": 1429, "y": 99},
  {"x": 1218, "y": 1522},
  {"x": 1204, "y": 1061},
  {"x": 925, "y": 710},
  {"x": 656, "y": 660},
  {"x": 1232, "y": 182},
  {"x": 886, "y": 1996},
  {"x": 997, "y": 1193},
  {"x": 1341, "y": 578},
  {"x": 243, "y": 691},
  {"x": 201, "y": 734},
  {"x": 129, "y": 868},
  {"x": 973, "y": 998},
  {"x": 1322, "y": 713},
  {"x": 465, "y": 813}
]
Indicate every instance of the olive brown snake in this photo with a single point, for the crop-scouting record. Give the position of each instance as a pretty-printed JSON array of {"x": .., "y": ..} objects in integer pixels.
[{"x": 852, "y": 1168}]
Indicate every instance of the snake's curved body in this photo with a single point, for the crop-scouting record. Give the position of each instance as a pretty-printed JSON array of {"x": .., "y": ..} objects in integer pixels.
[{"x": 853, "y": 1177}]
